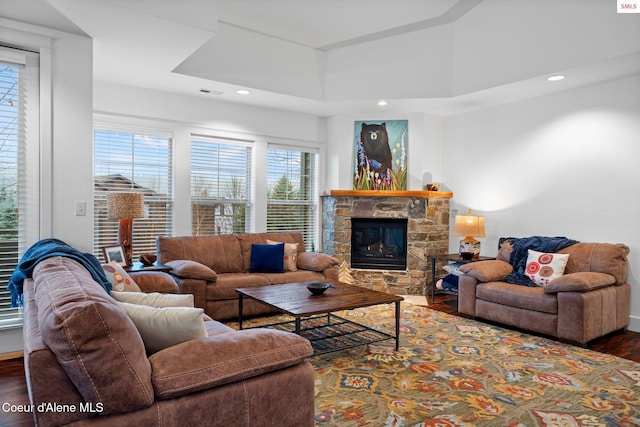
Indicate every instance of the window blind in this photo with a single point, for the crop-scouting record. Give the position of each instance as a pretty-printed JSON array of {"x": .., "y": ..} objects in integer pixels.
[
  {"x": 19, "y": 172},
  {"x": 125, "y": 161},
  {"x": 220, "y": 186},
  {"x": 292, "y": 194}
]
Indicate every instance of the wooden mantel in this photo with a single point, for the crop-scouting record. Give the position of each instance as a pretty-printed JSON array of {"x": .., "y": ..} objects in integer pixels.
[{"x": 406, "y": 193}]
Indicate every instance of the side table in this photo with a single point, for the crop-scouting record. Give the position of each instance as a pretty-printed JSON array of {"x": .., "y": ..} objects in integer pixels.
[
  {"x": 448, "y": 258},
  {"x": 138, "y": 267}
]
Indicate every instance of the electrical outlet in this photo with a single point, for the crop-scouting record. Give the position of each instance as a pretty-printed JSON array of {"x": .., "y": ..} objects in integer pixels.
[{"x": 81, "y": 208}]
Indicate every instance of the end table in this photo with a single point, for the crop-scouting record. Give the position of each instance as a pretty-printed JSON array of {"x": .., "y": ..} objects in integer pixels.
[
  {"x": 449, "y": 258},
  {"x": 138, "y": 267}
]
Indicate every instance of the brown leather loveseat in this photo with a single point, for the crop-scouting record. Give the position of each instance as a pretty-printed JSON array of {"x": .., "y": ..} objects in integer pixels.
[
  {"x": 213, "y": 267},
  {"x": 590, "y": 300},
  {"x": 86, "y": 363}
]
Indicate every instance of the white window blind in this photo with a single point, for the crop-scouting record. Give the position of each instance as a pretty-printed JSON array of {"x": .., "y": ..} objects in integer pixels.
[
  {"x": 292, "y": 195},
  {"x": 125, "y": 161},
  {"x": 220, "y": 186},
  {"x": 19, "y": 171}
]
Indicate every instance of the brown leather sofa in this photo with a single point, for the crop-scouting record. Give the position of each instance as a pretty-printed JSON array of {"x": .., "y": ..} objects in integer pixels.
[
  {"x": 590, "y": 300},
  {"x": 85, "y": 363},
  {"x": 213, "y": 267}
]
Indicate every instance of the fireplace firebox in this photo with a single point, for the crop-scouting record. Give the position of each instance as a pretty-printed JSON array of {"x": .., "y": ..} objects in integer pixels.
[{"x": 379, "y": 243}]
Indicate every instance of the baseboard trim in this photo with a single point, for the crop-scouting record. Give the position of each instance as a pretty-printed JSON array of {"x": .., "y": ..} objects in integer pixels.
[
  {"x": 11, "y": 355},
  {"x": 634, "y": 324}
]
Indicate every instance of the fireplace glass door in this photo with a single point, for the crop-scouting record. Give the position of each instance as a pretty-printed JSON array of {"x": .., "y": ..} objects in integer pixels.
[{"x": 379, "y": 243}]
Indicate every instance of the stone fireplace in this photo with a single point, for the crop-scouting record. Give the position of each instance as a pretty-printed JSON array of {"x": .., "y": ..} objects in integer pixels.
[{"x": 427, "y": 232}]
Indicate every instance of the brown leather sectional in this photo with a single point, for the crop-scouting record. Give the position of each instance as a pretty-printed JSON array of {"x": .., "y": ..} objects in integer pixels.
[{"x": 85, "y": 363}]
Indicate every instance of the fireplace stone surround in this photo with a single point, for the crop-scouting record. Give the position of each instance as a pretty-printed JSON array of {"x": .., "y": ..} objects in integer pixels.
[{"x": 427, "y": 214}]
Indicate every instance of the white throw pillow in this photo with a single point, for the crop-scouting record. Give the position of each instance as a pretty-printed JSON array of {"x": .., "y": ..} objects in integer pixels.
[
  {"x": 166, "y": 326},
  {"x": 154, "y": 299},
  {"x": 543, "y": 268},
  {"x": 290, "y": 255}
]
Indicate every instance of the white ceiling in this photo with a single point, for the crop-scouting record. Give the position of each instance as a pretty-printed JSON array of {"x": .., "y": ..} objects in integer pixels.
[{"x": 184, "y": 46}]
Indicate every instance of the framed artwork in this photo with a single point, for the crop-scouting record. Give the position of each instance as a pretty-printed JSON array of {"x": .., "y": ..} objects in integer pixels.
[
  {"x": 380, "y": 154},
  {"x": 114, "y": 253}
]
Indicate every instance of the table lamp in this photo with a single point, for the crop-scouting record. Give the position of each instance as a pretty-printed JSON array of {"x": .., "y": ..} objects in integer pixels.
[
  {"x": 125, "y": 207},
  {"x": 469, "y": 226}
]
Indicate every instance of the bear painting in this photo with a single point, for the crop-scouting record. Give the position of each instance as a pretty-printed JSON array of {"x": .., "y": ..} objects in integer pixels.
[
  {"x": 380, "y": 153},
  {"x": 375, "y": 146}
]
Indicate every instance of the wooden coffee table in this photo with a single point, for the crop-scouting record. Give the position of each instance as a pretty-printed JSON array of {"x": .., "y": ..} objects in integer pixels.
[{"x": 313, "y": 314}]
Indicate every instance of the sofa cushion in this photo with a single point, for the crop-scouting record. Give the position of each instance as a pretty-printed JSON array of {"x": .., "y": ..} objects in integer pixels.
[
  {"x": 487, "y": 271},
  {"x": 226, "y": 285},
  {"x": 119, "y": 279},
  {"x": 524, "y": 297},
  {"x": 154, "y": 299},
  {"x": 267, "y": 258},
  {"x": 155, "y": 281},
  {"x": 162, "y": 327},
  {"x": 544, "y": 267},
  {"x": 580, "y": 282},
  {"x": 314, "y": 261},
  {"x": 290, "y": 255},
  {"x": 220, "y": 253},
  {"x": 230, "y": 357},
  {"x": 91, "y": 337},
  {"x": 609, "y": 258},
  {"x": 185, "y": 268}
]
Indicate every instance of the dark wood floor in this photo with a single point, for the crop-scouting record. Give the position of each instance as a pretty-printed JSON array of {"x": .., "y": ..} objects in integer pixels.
[{"x": 13, "y": 389}]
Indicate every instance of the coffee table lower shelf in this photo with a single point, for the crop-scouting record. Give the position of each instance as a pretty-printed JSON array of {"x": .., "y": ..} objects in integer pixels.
[{"x": 329, "y": 333}]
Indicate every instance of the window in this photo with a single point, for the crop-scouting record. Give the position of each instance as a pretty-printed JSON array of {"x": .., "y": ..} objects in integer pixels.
[
  {"x": 19, "y": 172},
  {"x": 292, "y": 192},
  {"x": 220, "y": 183},
  {"x": 133, "y": 162}
]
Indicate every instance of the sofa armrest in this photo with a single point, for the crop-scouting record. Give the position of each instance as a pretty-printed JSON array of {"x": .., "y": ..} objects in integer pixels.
[
  {"x": 487, "y": 271},
  {"x": 467, "y": 295},
  {"x": 230, "y": 357},
  {"x": 315, "y": 261},
  {"x": 580, "y": 282},
  {"x": 155, "y": 281},
  {"x": 187, "y": 269}
]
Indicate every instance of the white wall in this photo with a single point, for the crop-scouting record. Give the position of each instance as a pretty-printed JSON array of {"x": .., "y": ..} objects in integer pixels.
[{"x": 558, "y": 165}]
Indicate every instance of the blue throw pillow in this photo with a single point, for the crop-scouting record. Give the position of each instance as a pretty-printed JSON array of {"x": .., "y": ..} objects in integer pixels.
[{"x": 267, "y": 258}]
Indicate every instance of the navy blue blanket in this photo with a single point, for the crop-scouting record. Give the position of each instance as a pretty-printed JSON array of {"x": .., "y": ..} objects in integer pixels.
[
  {"x": 518, "y": 258},
  {"x": 48, "y": 248}
]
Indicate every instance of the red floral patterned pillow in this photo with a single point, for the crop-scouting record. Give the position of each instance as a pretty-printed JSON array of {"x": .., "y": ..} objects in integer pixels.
[{"x": 543, "y": 268}]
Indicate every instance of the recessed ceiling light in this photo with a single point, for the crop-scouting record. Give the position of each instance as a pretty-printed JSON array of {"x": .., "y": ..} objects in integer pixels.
[
  {"x": 243, "y": 92},
  {"x": 382, "y": 103},
  {"x": 556, "y": 78}
]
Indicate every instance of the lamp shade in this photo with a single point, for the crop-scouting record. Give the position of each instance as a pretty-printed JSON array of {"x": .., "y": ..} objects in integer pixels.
[
  {"x": 469, "y": 225},
  {"x": 125, "y": 205}
]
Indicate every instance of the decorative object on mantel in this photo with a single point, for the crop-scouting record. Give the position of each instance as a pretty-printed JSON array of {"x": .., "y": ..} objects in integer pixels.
[
  {"x": 470, "y": 226},
  {"x": 344, "y": 273},
  {"x": 380, "y": 155},
  {"x": 125, "y": 207}
]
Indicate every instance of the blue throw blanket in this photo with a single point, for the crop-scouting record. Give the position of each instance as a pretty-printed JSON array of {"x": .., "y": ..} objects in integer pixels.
[
  {"x": 48, "y": 248},
  {"x": 518, "y": 258}
]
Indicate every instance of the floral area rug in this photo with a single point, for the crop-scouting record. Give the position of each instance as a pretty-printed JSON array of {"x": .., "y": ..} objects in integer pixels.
[{"x": 453, "y": 371}]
